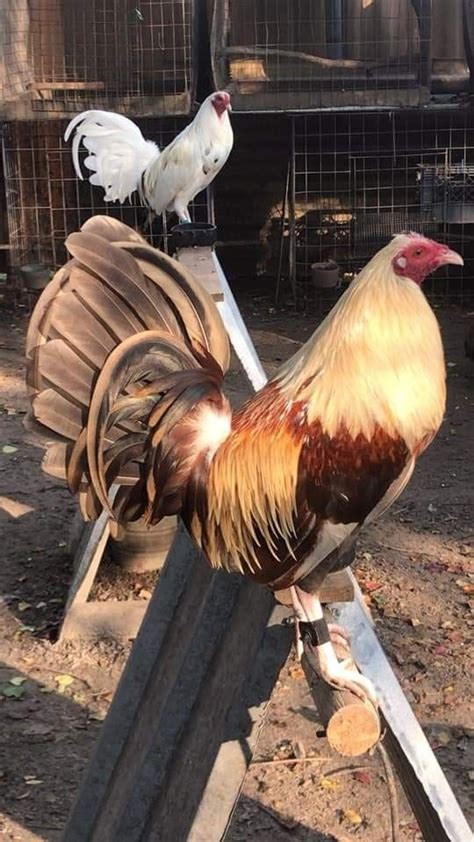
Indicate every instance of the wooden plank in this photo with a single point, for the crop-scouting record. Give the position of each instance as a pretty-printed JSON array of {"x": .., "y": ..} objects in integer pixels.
[
  {"x": 200, "y": 262},
  {"x": 292, "y": 101},
  {"x": 337, "y": 587},
  {"x": 165, "y": 105},
  {"x": 89, "y": 551},
  {"x": 86, "y": 563},
  {"x": 114, "y": 619},
  {"x": 226, "y": 747},
  {"x": 423, "y": 11},
  {"x": 468, "y": 36},
  {"x": 66, "y": 86},
  {"x": 208, "y": 653},
  {"x": 426, "y": 815},
  {"x": 47, "y": 38},
  {"x": 126, "y": 704}
]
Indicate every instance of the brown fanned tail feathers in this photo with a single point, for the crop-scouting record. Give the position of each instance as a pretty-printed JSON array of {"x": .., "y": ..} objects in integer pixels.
[{"x": 126, "y": 354}]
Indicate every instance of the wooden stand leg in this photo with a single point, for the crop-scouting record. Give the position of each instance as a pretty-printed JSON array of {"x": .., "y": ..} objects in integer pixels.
[{"x": 183, "y": 723}]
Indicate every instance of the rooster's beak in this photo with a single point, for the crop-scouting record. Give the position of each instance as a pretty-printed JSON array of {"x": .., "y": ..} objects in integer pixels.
[{"x": 450, "y": 256}]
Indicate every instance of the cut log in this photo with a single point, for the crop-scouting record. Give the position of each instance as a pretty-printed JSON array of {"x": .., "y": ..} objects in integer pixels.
[{"x": 352, "y": 725}]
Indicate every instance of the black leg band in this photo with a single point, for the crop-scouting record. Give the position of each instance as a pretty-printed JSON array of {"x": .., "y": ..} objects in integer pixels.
[{"x": 316, "y": 632}]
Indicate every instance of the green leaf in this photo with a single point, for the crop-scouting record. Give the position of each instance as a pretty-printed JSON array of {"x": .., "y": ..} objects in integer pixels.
[
  {"x": 12, "y": 692},
  {"x": 8, "y": 448}
]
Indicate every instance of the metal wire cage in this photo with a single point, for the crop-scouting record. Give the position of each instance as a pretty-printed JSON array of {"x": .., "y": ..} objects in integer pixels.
[
  {"x": 64, "y": 56},
  {"x": 46, "y": 201},
  {"x": 360, "y": 178},
  {"x": 290, "y": 55}
]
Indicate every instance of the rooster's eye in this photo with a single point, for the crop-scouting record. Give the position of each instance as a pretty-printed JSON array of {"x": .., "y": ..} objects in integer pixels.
[{"x": 418, "y": 252}]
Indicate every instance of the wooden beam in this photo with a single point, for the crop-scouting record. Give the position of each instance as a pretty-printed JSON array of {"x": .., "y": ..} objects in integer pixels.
[
  {"x": 276, "y": 52},
  {"x": 337, "y": 587},
  {"x": 112, "y": 619},
  {"x": 86, "y": 563},
  {"x": 193, "y": 692},
  {"x": 427, "y": 815},
  {"x": 200, "y": 263},
  {"x": 66, "y": 86},
  {"x": 468, "y": 36},
  {"x": 424, "y": 13}
]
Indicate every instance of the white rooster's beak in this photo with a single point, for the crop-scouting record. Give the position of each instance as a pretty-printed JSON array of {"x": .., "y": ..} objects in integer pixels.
[{"x": 450, "y": 256}]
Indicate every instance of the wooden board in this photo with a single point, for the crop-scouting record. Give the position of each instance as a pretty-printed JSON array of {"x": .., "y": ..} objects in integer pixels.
[
  {"x": 200, "y": 263},
  {"x": 86, "y": 563},
  {"x": 292, "y": 101},
  {"x": 114, "y": 619},
  {"x": 426, "y": 814},
  {"x": 337, "y": 587},
  {"x": 165, "y": 105},
  {"x": 194, "y": 691}
]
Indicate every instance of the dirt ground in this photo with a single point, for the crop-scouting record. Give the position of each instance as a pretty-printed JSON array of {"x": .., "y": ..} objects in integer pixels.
[{"x": 415, "y": 567}]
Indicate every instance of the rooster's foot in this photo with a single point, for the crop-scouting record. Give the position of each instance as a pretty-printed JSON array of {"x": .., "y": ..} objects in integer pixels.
[
  {"x": 338, "y": 675},
  {"x": 337, "y": 635}
]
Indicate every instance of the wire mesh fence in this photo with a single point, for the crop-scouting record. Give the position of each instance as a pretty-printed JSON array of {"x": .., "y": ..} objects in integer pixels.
[
  {"x": 46, "y": 201},
  {"x": 306, "y": 54},
  {"x": 360, "y": 178},
  {"x": 64, "y": 56}
]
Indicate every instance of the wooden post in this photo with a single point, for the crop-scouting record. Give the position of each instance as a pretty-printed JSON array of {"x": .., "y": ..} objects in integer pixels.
[
  {"x": 180, "y": 733},
  {"x": 47, "y": 37},
  {"x": 423, "y": 11},
  {"x": 468, "y": 36},
  {"x": 199, "y": 261}
]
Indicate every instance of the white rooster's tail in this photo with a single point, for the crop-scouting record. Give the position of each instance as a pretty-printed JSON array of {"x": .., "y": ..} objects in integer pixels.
[{"x": 118, "y": 152}]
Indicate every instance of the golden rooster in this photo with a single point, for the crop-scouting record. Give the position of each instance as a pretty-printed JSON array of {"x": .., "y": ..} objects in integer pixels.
[{"x": 126, "y": 356}]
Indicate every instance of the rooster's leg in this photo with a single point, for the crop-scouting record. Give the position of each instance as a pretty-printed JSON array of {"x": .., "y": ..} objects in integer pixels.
[
  {"x": 337, "y": 635},
  {"x": 146, "y": 227},
  {"x": 182, "y": 211},
  {"x": 309, "y": 612}
]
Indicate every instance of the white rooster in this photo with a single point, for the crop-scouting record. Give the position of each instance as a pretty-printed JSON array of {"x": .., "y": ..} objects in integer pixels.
[{"x": 122, "y": 161}]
